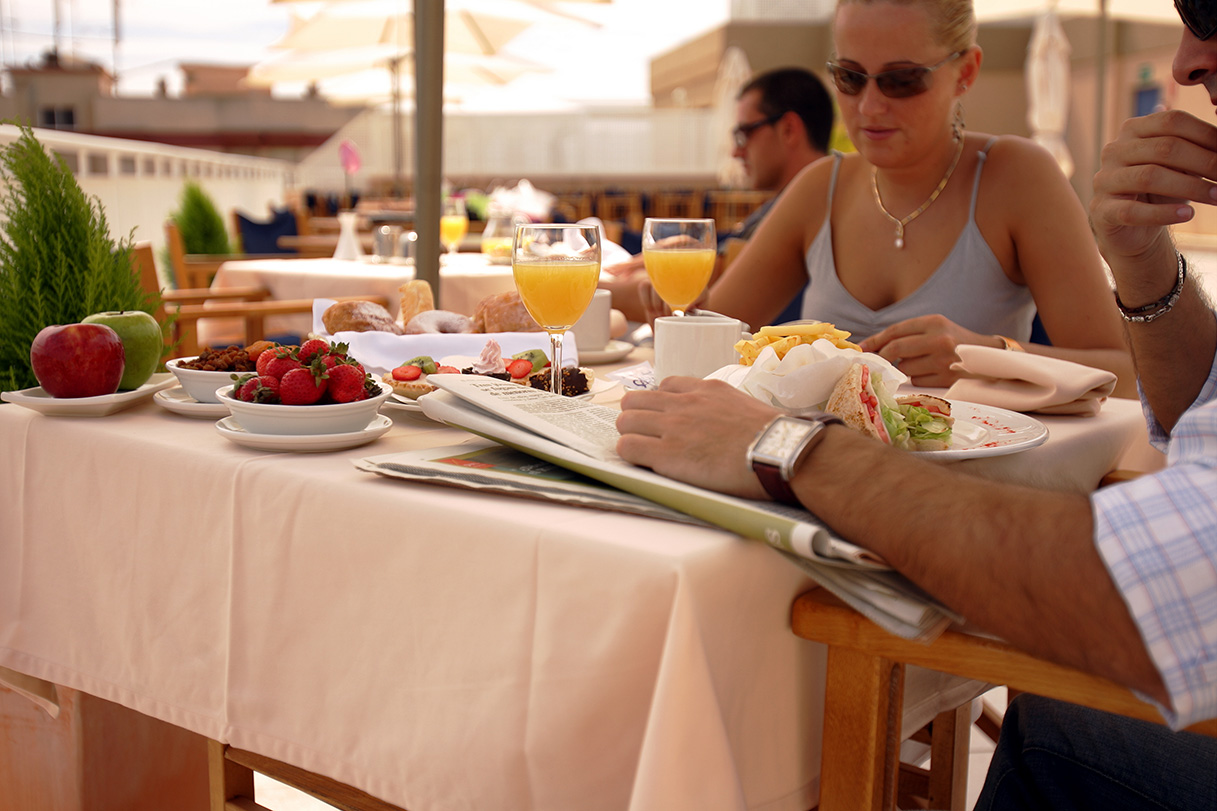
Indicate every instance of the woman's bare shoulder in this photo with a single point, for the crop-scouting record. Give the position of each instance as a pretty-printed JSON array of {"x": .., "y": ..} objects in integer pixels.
[{"x": 1015, "y": 156}]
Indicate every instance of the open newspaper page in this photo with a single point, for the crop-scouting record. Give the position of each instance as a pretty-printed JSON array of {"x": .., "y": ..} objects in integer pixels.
[
  {"x": 490, "y": 466},
  {"x": 582, "y": 437}
]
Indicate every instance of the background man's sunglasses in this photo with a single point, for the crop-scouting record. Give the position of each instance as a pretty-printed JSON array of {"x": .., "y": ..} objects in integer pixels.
[
  {"x": 1200, "y": 16},
  {"x": 895, "y": 84}
]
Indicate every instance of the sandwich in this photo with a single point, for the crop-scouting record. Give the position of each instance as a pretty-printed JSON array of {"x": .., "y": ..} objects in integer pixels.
[{"x": 917, "y": 422}]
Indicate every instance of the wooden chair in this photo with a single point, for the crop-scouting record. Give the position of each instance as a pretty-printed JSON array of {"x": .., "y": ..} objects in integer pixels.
[
  {"x": 575, "y": 206},
  {"x": 688, "y": 203},
  {"x": 250, "y": 304},
  {"x": 864, "y": 693},
  {"x": 231, "y": 773},
  {"x": 195, "y": 271},
  {"x": 729, "y": 207},
  {"x": 621, "y": 206}
]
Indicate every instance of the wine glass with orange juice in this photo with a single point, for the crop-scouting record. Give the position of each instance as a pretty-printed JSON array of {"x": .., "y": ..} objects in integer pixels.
[
  {"x": 453, "y": 223},
  {"x": 679, "y": 255},
  {"x": 556, "y": 268}
]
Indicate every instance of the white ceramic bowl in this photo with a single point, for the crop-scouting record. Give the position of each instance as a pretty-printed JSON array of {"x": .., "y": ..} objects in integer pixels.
[
  {"x": 304, "y": 420},
  {"x": 199, "y": 384}
]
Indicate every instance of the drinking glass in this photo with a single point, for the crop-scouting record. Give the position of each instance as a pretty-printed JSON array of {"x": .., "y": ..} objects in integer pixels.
[
  {"x": 453, "y": 223},
  {"x": 556, "y": 268},
  {"x": 679, "y": 255}
]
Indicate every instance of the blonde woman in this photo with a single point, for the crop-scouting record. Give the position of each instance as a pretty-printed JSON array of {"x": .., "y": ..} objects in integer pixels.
[{"x": 929, "y": 236}]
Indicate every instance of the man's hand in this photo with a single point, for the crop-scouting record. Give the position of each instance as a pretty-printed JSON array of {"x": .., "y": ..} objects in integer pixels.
[
  {"x": 695, "y": 431},
  {"x": 924, "y": 348},
  {"x": 1149, "y": 173}
]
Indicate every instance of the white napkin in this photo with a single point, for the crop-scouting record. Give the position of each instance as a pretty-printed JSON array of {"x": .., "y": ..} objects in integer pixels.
[
  {"x": 380, "y": 352},
  {"x": 803, "y": 380},
  {"x": 1021, "y": 381}
]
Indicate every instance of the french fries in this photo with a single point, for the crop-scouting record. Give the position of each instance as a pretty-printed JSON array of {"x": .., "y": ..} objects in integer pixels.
[{"x": 787, "y": 336}]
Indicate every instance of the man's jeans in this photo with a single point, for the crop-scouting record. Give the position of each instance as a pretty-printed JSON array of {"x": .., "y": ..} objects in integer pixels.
[{"x": 1054, "y": 755}]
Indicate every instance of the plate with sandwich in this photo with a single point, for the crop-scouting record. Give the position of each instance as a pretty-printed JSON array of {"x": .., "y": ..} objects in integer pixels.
[{"x": 928, "y": 425}]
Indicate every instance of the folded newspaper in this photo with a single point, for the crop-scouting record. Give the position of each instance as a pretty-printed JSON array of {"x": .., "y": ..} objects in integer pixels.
[{"x": 581, "y": 436}]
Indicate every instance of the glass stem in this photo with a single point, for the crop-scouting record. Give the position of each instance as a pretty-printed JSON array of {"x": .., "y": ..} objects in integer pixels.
[{"x": 555, "y": 372}]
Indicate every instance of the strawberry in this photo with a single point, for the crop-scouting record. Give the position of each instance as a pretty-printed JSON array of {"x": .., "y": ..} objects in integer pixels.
[
  {"x": 280, "y": 365},
  {"x": 259, "y": 389},
  {"x": 407, "y": 373},
  {"x": 447, "y": 370},
  {"x": 311, "y": 347},
  {"x": 519, "y": 368},
  {"x": 265, "y": 357},
  {"x": 301, "y": 386},
  {"x": 346, "y": 384}
]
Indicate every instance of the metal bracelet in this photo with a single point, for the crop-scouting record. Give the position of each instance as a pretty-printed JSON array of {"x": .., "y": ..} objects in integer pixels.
[{"x": 1154, "y": 310}]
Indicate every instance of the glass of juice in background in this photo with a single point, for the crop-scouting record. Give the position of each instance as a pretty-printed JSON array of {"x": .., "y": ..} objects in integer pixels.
[
  {"x": 679, "y": 255},
  {"x": 453, "y": 223},
  {"x": 556, "y": 268}
]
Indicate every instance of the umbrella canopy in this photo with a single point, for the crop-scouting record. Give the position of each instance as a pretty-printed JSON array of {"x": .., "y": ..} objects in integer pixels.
[
  {"x": 733, "y": 73},
  {"x": 369, "y": 64}
]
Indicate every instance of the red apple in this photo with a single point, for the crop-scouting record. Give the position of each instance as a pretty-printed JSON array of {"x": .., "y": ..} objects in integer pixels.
[{"x": 78, "y": 360}]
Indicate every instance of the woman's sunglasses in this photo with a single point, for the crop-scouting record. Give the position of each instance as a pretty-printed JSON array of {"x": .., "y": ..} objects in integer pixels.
[
  {"x": 895, "y": 84},
  {"x": 1200, "y": 16}
]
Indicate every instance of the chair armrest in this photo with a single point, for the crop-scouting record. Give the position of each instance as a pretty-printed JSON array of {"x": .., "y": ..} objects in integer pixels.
[
  {"x": 820, "y": 617},
  {"x": 200, "y": 294}
]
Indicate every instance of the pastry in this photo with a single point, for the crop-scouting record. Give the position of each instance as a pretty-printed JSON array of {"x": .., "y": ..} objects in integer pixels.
[
  {"x": 442, "y": 321},
  {"x": 503, "y": 312},
  {"x": 416, "y": 297},
  {"x": 359, "y": 316}
]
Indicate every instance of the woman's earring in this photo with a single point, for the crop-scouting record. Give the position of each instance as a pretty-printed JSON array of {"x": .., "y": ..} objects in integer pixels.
[{"x": 957, "y": 125}]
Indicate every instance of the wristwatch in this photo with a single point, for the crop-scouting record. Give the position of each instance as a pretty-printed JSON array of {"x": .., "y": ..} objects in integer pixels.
[{"x": 780, "y": 446}]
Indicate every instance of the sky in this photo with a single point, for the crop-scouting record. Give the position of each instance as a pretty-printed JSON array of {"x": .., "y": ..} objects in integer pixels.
[{"x": 607, "y": 64}]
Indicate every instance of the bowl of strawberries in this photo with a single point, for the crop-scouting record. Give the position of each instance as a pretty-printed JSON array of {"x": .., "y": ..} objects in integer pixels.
[{"x": 312, "y": 389}]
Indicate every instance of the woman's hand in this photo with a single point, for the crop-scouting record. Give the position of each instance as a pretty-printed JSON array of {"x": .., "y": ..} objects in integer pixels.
[
  {"x": 1149, "y": 173},
  {"x": 695, "y": 431},
  {"x": 924, "y": 348}
]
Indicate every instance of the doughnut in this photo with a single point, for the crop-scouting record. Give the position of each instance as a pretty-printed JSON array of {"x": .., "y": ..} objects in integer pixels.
[{"x": 432, "y": 321}]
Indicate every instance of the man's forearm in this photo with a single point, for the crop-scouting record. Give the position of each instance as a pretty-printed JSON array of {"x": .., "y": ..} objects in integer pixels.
[
  {"x": 1174, "y": 352},
  {"x": 1018, "y": 562}
]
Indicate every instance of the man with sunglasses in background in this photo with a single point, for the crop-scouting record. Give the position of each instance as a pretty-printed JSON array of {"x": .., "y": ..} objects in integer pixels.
[
  {"x": 785, "y": 120},
  {"x": 1122, "y": 584}
]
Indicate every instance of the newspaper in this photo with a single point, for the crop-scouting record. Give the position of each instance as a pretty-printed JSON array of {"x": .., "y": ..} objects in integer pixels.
[{"x": 581, "y": 436}]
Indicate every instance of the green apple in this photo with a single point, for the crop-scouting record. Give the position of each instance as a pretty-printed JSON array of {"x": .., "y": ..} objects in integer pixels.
[{"x": 142, "y": 343}]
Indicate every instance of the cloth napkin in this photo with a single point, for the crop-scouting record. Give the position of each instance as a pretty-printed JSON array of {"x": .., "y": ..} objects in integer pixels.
[
  {"x": 1021, "y": 381},
  {"x": 39, "y": 691}
]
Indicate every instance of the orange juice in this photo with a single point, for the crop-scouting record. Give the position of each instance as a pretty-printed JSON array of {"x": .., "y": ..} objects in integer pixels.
[
  {"x": 452, "y": 229},
  {"x": 556, "y": 293},
  {"x": 679, "y": 274}
]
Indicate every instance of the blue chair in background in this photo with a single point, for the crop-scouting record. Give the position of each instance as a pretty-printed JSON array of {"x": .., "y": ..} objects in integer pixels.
[{"x": 262, "y": 236}]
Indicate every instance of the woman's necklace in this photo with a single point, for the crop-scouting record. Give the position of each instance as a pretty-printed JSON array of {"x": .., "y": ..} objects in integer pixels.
[{"x": 917, "y": 212}]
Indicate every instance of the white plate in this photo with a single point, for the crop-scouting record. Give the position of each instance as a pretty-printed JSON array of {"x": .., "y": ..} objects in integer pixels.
[
  {"x": 397, "y": 402},
  {"x": 612, "y": 352},
  {"x": 179, "y": 402},
  {"x": 982, "y": 430},
  {"x": 231, "y": 430},
  {"x": 99, "y": 406}
]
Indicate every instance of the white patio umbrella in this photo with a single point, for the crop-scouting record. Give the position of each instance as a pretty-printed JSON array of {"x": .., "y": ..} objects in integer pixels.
[
  {"x": 428, "y": 25},
  {"x": 1047, "y": 74}
]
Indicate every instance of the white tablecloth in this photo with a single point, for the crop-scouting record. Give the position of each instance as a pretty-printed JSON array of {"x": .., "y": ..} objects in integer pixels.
[
  {"x": 438, "y": 649},
  {"x": 465, "y": 279}
]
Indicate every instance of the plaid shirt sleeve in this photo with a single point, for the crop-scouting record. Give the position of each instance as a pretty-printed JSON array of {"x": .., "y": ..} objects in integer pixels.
[{"x": 1158, "y": 537}]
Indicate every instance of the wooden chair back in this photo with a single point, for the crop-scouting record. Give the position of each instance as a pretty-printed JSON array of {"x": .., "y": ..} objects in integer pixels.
[
  {"x": 685, "y": 203},
  {"x": 729, "y": 207},
  {"x": 623, "y": 206}
]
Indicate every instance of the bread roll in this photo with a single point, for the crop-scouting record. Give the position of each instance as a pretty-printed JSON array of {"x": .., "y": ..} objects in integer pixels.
[
  {"x": 359, "y": 316},
  {"x": 416, "y": 297},
  {"x": 503, "y": 312}
]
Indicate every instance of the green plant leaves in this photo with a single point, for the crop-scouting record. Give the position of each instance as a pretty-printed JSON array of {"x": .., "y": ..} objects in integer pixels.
[{"x": 58, "y": 263}]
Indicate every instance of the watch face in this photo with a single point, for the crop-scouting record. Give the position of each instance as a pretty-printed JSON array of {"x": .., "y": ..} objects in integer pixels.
[{"x": 783, "y": 436}]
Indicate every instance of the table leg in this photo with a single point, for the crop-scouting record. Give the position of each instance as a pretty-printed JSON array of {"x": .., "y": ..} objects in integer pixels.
[{"x": 863, "y": 699}]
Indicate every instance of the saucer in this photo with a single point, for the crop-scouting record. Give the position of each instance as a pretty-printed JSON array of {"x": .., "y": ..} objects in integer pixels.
[
  {"x": 231, "y": 430},
  {"x": 179, "y": 402},
  {"x": 613, "y": 351},
  {"x": 100, "y": 406}
]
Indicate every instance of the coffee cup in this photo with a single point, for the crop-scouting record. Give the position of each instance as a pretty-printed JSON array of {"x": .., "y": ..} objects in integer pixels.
[
  {"x": 694, "y": 345},
  {"x": 592, "y": 330}
]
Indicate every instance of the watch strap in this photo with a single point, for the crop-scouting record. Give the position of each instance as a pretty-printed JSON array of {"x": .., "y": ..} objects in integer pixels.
[{"x": 770, "y": 476}]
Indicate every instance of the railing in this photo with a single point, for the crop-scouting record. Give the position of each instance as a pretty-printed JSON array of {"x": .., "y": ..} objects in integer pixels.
[{"x": 139, "y": 183}]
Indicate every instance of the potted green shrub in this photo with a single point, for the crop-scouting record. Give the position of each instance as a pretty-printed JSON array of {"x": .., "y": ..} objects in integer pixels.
[
  {"x": 200, "y": 222},
  {"x": 58, "y": 263}
]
